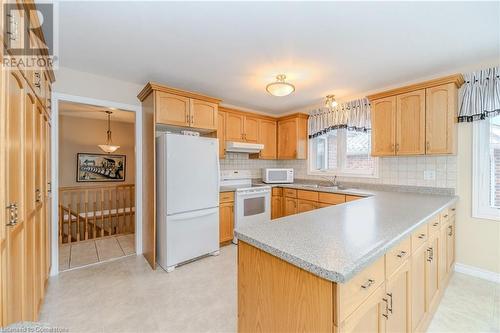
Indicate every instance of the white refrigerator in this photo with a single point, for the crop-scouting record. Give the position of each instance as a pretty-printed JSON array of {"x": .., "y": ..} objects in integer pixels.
[{"x": 187, "y": 198}]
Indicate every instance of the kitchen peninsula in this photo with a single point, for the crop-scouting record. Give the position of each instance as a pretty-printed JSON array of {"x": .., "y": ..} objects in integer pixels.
[{"x": 376, "y": 264}]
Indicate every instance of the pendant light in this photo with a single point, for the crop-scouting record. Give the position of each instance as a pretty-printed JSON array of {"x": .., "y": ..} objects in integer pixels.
[
  {"x": 280, "y": 88},
  {"x": 330, "y": 101},
  {"x": 108, "y": 147}
]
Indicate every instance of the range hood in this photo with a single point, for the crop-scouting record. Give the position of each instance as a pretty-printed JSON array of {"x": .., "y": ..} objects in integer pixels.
[{"x": 243, "y": 147}]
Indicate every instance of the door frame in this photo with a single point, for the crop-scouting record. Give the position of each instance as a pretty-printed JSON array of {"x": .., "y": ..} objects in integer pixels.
[{"x": 54, "y": 176}]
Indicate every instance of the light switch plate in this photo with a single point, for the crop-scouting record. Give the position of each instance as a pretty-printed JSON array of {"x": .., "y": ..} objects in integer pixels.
[{"x": 429, "y": 175}]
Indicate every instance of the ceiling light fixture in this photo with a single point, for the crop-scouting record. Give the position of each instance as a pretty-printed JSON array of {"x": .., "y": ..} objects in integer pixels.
[
  {"x": 330, "y": 101},
  {"x": 109, "y": 147},
  {"x": 280, "y": 88}
]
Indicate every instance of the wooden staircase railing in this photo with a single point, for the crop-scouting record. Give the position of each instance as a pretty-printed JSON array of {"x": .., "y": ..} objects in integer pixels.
[{"x": 89, "y": 212}]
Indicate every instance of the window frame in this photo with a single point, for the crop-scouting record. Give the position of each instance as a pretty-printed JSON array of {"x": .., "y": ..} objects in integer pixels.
[
  {"x": 481, "y": 181},
  {"x": 339, "y": 171}
]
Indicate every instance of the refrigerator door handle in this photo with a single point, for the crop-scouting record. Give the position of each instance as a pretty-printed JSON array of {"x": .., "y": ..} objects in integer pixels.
[{"x": 193, "y": 214}]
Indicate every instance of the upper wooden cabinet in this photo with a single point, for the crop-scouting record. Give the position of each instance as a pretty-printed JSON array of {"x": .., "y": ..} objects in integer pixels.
[
  {"x": 180, "y": 108},
  {"x": 417, "y": 119},
  {"x": 292, "y": 137},
  {"x": 267, "y": 136},
  {"x": 251, "y": 126},
  {"x": 235, "y": 126},
  {"x": 221, "y": 133}
]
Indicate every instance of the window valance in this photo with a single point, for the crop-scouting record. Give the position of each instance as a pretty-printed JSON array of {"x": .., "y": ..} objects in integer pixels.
[
  {"x": 353, "y": 115},
  {"x": 480, "y": 95}
]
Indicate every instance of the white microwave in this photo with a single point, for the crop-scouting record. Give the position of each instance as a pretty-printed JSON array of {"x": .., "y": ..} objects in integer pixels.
[{"x": 277, "y": 176}]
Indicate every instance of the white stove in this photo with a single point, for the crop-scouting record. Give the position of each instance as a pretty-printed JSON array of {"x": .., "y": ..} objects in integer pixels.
[{"x": 252, "y": 202}]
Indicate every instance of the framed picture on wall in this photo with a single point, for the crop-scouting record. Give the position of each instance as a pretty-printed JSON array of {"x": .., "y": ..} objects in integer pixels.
[{"x": 100, "y": 167}]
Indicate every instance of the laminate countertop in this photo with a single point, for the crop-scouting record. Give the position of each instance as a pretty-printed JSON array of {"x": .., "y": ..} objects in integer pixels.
[{"x": 339, "y": 241}]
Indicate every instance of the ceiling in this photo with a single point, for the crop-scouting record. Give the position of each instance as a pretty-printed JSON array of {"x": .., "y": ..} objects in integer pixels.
[
  {"x": 94, "y": 112},
  {"x": 231, "y": 50}
]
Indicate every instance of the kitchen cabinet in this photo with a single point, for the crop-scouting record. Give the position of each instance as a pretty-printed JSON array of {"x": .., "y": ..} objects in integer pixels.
[
  {"x": 441, "y": 110},
  {"x": 349, "y": 198},
  {"x": 251, "y": 129},
  {"x": 450, "y": 244},
  {"x": 289, "y": 206},
  {"x": 276, "y": 207},
  {"x": 292, "y": 137},
  {"x": 172, "y": 109},
  {"x": 306, "y": 205},
  {"x": 235, "y": 126},
  {"x": 383, "y": 117},
  {"x": 432, "y": 285},
  {"x": 267, "y": 137},
  {"x": 221, "y": 133},
  {"x": 418, "y": 291},
  {"x": 398, "y": 296},
  {"x": 226, "y": 217},
  {"x": 410, "y": 123},
  {"x": 417, "y": 119},
  {"x": 203, "y": 114}
]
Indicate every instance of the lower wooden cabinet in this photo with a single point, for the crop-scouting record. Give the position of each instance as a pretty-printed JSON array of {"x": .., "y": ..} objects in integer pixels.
[
  {"x": 276, "y": 207},
  {"x": 398, "y": 297},
  {"x": 226, "y": 217},
  {"x": 450, "y": 244},
  {"x": 418, "y": 278},
  {"x": 289, "y": 206},
  {"x": 432, "y": 286},
  {"x": 306, "y": 205}
]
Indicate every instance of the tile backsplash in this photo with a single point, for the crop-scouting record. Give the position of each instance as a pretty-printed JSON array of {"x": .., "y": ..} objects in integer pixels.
[{"x": 392, "y": 170}]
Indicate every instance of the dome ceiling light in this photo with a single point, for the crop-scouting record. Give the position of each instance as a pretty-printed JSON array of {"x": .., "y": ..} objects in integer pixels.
[
  {"x": 280, "y": 88},
  {"x": 330, "y": 101},
  {"x": 109, "y": 147}
]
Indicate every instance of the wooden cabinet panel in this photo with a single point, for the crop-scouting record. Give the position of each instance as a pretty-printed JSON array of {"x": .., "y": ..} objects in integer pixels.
[
  {"x": 418, "y": 282},
  {"x": 419, "y": 237},
  {"x": 203, "y": 114},
  {"x": 221, "y": 133},
  {"x": 226, "y": 222},
  {"x": 172, "y": 109},
  {"x": 442, "y": 257},
  {"x": 292, "y": 138},
  {"x": 277, "y": 191},
  {"x": 331, "y": 198},
  {"x": 352, "y": 198},
  {"x": 226, "y": 197},
  {"x": 410, "y": 123},
  {"x": 398, "y": 294},
  {"x": 276, "y": 207},
  {"x": 450, "y": 245},
  {"x": 251, "y": 129},
  {"x": 383, "y": 117},
  {"x": 290, "y": 192},
  {"x": 432, "y": 284},
  {"x": 307, "y": 195},
  {"x": 368, "y": 317},
  {"x": 441, "y": 106},
  {"x": 289, "y": 206},
  {"x": 235, "y": 127},
  {"x": 267, "y": 136},
  {"x": 397, "y": 256},
  {"x": 306, "y": 205}
]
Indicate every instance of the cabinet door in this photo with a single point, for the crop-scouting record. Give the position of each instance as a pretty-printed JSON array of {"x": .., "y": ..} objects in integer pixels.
[
  {"x": 234, "y": 127},
  {"x": 306, "y": 205},
  {"x": 369, "y": 316},
  {"x": 39, "y": 215},
  {"x": 267, "y": 136},
  {"x": 442, "y": 261},
  {"x": 450, "y": 245},
  {"x": 418, "y": 293},
  {"x": 410, "y": 123},
  {"x": 441, "y": 105},
  {"x": 172, "y": 109},
  {"x": 221, "y": 133},
  {"x": 398, "y": 294},
  {"x": 289, "y": 206},
  {"x": 287, "y": 139},
  {"x": 226, "y": 222},
  {"x": 15, "y": 197},
  {"x": 276, "y": 207},
  {"x": 203, "y": 114},
  {"x": 251, "y": 129},
  {"x": 383, "y": 116},
  {"x": 432, "y": 284}
]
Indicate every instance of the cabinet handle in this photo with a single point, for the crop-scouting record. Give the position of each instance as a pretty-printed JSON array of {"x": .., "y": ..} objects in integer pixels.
[
  {"x": 390, "y": 306},
  {"x": 397, "y": 147},
  {"x": 368, "y": 284},
  {"x": 49, "y": 187},
  {"x": 445, "y": 216},
  {"x": 38, "y": 195},
  {"x": 192, "y": 119},
  {"x": 12, "y": 214},
  {"x": 428, "y": 145},
  {"x": 430, "y": 250},
  {"x": 401, "y": 254},
  {"x": 453, "y": 209},
  {"x": 386, "y": 314},
  {"x": 421, "y": 236},
  {"x": 450, "y": 227},
  {"x": 435, "y": 224}
]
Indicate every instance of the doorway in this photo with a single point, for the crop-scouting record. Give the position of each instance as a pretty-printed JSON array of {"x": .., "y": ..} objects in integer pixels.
[{"x": 96, "y": 187}]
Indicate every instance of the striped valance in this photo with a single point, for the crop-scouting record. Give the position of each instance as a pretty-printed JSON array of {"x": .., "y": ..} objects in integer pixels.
[
  {"x": 480, "y": 95},
  {"x": 353, "y": 115}
]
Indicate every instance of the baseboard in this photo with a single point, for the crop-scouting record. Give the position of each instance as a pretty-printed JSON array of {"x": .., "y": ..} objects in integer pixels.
[{"x": 477, "y": 272}]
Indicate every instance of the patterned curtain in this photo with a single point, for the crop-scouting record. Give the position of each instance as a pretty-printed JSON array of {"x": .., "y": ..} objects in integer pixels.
[
  {"x": 353, "y": 115},
  {"x": 480, "y": 95}
]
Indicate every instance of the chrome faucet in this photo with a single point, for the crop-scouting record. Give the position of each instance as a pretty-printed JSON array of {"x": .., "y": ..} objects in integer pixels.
[{"x": 333, "y": 182}]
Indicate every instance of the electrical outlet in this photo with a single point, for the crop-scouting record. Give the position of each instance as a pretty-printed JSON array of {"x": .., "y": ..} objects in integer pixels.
[{"x": 429, "y": 175}]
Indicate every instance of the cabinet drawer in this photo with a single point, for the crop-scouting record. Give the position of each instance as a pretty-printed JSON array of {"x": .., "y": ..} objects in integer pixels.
[
  {"x": 360, "y": 287},
  {"x": 396, "y": 256},
  {"x": 331, "y": 198},
  {"x": 307, "y": 195},
  {"x": 435, "y": 225},
  {"x": 306, "y": 205},
  {"x": 278, "y": 191},
  {"x": 290, "y": 192},
  {"x": 419, "y": 237},
  {"x": 352, "y": 197},
  {"x": 226, "y": 197}
]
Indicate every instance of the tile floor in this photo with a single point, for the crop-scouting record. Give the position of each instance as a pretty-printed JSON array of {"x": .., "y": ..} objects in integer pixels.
[
  {"x": 93, "y": 251},
  {"x": 125, "y": 295}
]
